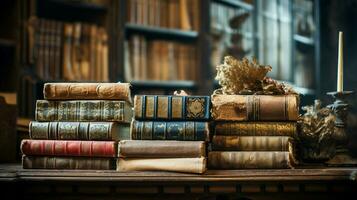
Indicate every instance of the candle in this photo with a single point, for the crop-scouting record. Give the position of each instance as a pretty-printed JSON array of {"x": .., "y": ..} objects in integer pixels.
[{"x": 340, "y": 63}]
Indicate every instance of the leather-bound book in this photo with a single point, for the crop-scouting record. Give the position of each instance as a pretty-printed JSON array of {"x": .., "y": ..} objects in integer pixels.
[
  {"x": 161, "y": 149},
  {"x": 255, "y": 107},
  {"x": 256, "y": 128},
  {"x": 81, "y": 91},
  {"x": 251, "y": 143},
  {"x": 69, "y": 148},
  {"x": 79, "y": 130},
  {"x": 47, "y": 162},
  {"x": 153, "y": 107},
  {"x": 83, "y": 110},
  {"x": 250, "y": 159},
  {"x": 171, "y": 130},
  {"x": 185, "y": 165}
]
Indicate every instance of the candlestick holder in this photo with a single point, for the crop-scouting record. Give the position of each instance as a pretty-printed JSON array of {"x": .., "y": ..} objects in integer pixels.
[{"x": 341, "y": 136}]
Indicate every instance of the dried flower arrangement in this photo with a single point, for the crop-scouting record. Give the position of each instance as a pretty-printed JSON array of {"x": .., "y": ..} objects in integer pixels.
[
  {"x": 247, "y": 77},
  {"x": 317, "y": 127}
]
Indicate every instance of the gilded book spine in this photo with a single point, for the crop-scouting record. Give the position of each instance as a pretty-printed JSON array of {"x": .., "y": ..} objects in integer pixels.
[
  {"x": 250, "y": 159},
  {"x": 61, "y": 91},
  {"x": 251, "y": 143},
  {"x": 255, "y": 108},
  {"x": 147, "y": 107},
  {"x": 256, "y": 128},
  {"x": 44, "y": 162},
  {"x": 161, "y": 149},
  {"x": 185, "y": 165},
  {"x": 69, "y": 148},
  {"x": 74, "y": 130},
  {"x": 161, "y": 130},
  {"x": 90, "y": 110}
]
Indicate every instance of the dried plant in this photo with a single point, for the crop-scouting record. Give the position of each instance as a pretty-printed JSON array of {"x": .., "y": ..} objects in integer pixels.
[
  {"x": 317, "y": 127},
  {"x": 247, "y": 77}
]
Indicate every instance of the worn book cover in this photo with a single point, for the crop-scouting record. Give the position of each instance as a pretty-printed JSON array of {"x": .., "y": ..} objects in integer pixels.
[
  {"x": 83, "y": 110},
  {"x": 255, "y": 107},
  {"x": 161, "y": 149},
  {"x": 250, "y": 159},
  {"x": 153, "y": 107},
  {"x": 252, "y": 143},
  {"x": 79, "y": 130},
  {"x": 80, "y": 91},
  {"x": 50, "y": 162},
  {"x": 256, "y": 128},
  {"x": 186, "y": 165},
  {"x": 69, "y": 148},
  {"x": 169, "y": 130}
]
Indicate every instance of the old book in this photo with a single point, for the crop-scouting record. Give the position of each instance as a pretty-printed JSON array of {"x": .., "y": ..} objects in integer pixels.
[
  {"x": 154, "y": 107},
  {"x": 83, "y": 110},
  {"x": 47, "y": 162},
  {"x": 161, "y": 149},
  {"x": 250, "y": 159},
  {"x": 69, "y": 148},
  {"x": 186, "y": 165},
  {"x": 255, "y": 107},
  {"x": 96, "y": 91},
  {"x": 79, "y": 131},
  {"x": 251, "y": 143},
  {"x": 173, "y": 130},
  {"x": 256, "y": 128}
]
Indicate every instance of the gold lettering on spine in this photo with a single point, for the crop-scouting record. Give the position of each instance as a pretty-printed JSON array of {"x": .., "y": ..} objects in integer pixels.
[
  {"x": 176, "y": 108},
  {"x": 162, "y": 106}
]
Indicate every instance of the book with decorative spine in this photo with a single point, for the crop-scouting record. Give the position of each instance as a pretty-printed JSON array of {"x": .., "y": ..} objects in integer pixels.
[
  {"x": 93, "y": 91},
  {"x": 255, "y": 107},
  {"x": 83, "y": 110},
  {"x": 169, "y": 130},
  {"x": 186, "y": 108},
  {"x": 79, "y": 130},
  {"x": 256, "y": 128}
]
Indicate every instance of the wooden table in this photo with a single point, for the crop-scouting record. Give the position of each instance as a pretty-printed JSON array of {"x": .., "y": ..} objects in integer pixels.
[{"x": 313, "y": 183}]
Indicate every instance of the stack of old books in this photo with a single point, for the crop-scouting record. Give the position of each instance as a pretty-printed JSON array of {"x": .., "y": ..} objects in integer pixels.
[
  {"x": 253, "y": 131},
  {"x": 168, "y": 134},
  {"x": 78, "y": 126}
]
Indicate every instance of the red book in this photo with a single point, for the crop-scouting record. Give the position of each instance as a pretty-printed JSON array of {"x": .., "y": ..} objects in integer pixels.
[{"x": 69, "y": 148}]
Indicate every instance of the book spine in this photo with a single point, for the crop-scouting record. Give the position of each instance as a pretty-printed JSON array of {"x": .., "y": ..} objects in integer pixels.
[
  {"x": 171, "y": 107},
  {"x": 175, "y": 130},
  {"x": 45, "y": 162},
  {"x": 58, "y": 91},
  {"x": 68, "y": 148},
  {"x": 161, "y": 149},
  {"x": 255, "y": 108},
  {"x": 100, "y": 110},
  {"x": 251, "y": 143},
  {"x": 185, "y": 165},
  {"x": 256, "y": 128},
  {"x": 250, "y": 159},
  {"x": 73, "y": 130}
]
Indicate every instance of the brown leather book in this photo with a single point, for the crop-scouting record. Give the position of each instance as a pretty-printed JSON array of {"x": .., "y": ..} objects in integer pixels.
[
  {"x": 46, "y": 162},
  {"x": 251, "y": 143},
  {"x": 186, "y": 165},
  {"x": 161, "y": 149},
  {"x": 86, "y": 110},
  {"x": 79, "y": 131},
  {"x": 250, "y": 159},
  {"x": 256, "y": 128},
  {"x": 80, "y": 91},
  {"x": 255, "y": 107}
]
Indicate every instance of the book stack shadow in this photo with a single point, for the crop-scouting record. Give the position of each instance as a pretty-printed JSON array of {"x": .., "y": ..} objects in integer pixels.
[
  {"x": 168, "y": 133},
  {"x": 78, "y": 126},
  {"x": 253, "y": 131}
]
